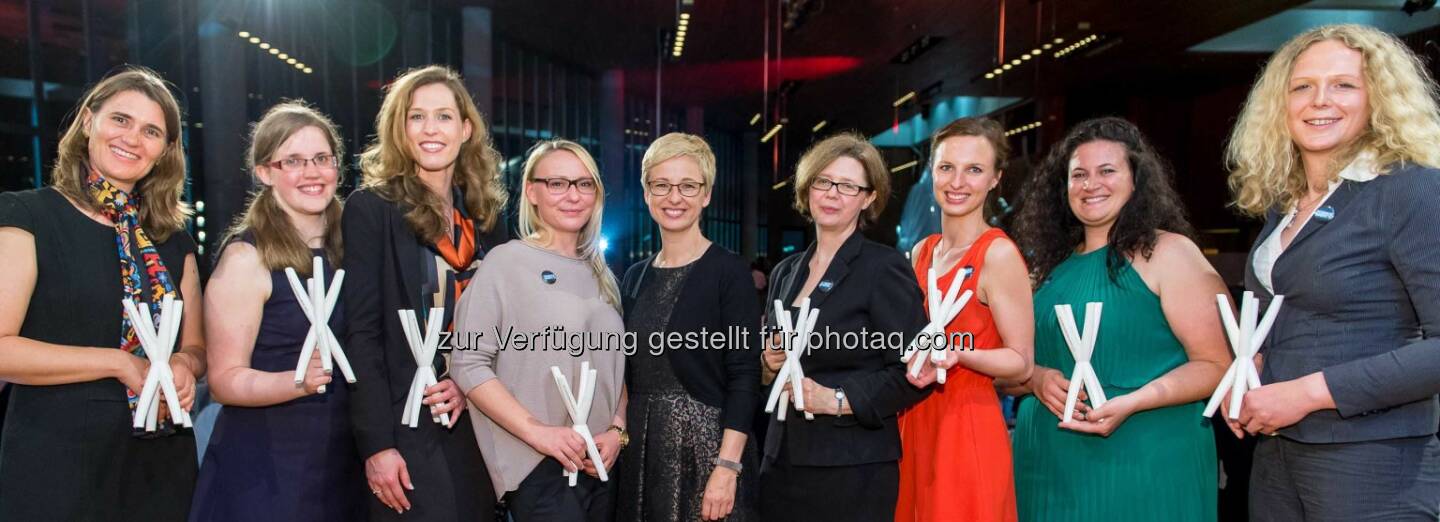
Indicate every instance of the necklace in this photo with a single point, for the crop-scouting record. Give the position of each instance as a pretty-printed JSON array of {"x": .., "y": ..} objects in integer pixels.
[
  {"x": 1300, "y": 207},
  {"x": 661, "y": 263},
  {"x": 942, "y": 252}
]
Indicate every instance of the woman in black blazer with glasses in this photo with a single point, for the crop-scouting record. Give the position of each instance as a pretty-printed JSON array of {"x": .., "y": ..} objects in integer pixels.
[{"x": 843, "y": 464}]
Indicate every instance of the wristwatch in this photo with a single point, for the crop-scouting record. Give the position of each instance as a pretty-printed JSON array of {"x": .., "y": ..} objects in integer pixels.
[
  {"x": 624, "y": 435},
  {"x": 729, "y": 464},
  {"x": 839, "y": 401}
]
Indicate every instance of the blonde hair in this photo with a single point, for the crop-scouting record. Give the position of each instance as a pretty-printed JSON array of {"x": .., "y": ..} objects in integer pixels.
[
  {"x": 276, "y": 240},
  {"x": 161, "y": 211},
  {"x": 1404, "y": 126},
  {"x": 389, "y": 169},
  {"x": 532, "y": 228},
  {"x": 843, "y": 145},
  {"x": 677, "y": 144}
]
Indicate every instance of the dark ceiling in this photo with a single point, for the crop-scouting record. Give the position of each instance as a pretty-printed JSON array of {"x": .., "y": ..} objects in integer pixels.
[{"x": 841, "y": 53}]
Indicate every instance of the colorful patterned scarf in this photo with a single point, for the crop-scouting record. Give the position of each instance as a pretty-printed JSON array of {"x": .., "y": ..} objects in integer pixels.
[
  {"x": 123, "y": 209},
  {"x": 458, "y": 250}
]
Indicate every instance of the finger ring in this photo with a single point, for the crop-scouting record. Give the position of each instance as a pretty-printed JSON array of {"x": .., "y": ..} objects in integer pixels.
[
  {"x": 1084, "y": 416},
  {"x": 377, "y": 492},
  {"x": 1273, "y": 434}
]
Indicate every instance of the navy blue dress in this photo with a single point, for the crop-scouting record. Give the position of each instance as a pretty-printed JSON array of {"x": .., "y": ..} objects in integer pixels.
[{"x": 294, "y": 461}]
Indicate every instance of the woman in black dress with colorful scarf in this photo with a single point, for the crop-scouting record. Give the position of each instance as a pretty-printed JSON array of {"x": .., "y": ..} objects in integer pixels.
[
  {"x": 110, "y": 227},
  {"x": 428, "y": 209}
]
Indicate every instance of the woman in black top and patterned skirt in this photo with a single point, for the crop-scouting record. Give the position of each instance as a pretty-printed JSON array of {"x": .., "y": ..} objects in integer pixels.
[
  {"x": 111, "y": 227},
  {"x": 691, "y": 398}
]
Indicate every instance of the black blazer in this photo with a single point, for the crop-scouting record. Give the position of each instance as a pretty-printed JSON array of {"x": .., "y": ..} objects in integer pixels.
[
  {"x": 387, "y": 270},
  {"x": 1362, "y": 305},
  {"x": 718, "y": 294},
  {"x": 868, "y": 286}
]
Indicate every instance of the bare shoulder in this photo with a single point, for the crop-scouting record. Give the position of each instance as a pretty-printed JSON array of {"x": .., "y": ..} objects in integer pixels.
[
  {"x": 1173, "y": 249},
  {"x": 1176, "y": 263},
  {"x": 16, "y": 236},
  {"x": 240, "y": 261},
  {"x": 1003, "y": 251}
]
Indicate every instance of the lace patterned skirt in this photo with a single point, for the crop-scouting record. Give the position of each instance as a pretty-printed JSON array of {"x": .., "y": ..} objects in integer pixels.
[{"x": 674, "y": 440}]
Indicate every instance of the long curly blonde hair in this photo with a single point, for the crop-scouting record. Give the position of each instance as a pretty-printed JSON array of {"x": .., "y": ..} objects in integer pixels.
[
  {"x": 1264, "y": 163},
  {"x": 389, "y": 169}
]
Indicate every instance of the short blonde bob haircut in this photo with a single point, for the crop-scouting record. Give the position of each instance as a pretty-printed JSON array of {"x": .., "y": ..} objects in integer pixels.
[{"x": 675, "y": 145}]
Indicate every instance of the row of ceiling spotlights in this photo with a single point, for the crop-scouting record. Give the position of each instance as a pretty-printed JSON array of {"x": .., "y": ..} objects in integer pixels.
[
  {"x": 680, "y": 31},
  {"x": 1034, "y": 53},
  {"x": 275, "y": 51}
]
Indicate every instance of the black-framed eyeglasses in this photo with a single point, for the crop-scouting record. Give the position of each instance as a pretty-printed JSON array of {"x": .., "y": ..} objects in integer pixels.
[
  {"x": 687, "y": 188},
  {"x": 293, "y": 164},
  {"x": 559, "y": 186},
  {"x": 846, "y": 189}
]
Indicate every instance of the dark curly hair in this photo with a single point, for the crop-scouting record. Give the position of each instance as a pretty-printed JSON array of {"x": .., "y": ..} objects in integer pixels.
[{"x": 1048, "y": 232}]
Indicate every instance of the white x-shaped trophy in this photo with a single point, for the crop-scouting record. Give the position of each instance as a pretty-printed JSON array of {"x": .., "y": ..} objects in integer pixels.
[
  {"x": 1081, "y": 347},
  {"x": 1245, "y": 339},
  {"x": 158, "y": 343},
  {"x": 797, "y": 332},
  {"x": 942, "y": 309},
  {"x": 579, "y": 409},
  {"x": 317, "y": 303},
  {"x": 423, "y": 349}
]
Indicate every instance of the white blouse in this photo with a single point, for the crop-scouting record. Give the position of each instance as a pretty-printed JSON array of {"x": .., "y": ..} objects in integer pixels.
[{"x": 1360, "y": 170}]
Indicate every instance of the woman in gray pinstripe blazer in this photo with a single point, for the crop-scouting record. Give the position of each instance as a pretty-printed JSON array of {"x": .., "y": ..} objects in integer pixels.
[{"x": 1337, "y": 148}]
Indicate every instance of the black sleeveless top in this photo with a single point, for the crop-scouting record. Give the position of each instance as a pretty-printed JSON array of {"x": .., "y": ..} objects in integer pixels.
[{"x": 66, "y": 452}]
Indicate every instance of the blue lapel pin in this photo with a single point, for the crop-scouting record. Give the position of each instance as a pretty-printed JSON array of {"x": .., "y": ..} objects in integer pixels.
[
  {"x": 548, "y": 277},
  {"x": 825, "y": 285},
  {"x": 966, "y": 272},
  {"x": 1324, "y": 214}
]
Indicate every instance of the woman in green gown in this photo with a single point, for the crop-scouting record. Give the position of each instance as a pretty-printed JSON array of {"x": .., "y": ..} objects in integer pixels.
[{"x": 1102, "y": 222}]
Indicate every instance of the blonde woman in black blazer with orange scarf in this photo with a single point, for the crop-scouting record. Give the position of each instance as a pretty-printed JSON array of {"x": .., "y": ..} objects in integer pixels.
[{"x": 428, "y": 210}]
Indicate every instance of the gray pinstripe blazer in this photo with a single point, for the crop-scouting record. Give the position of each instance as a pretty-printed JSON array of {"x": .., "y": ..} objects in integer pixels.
[{"x": 1362, "y": 305}]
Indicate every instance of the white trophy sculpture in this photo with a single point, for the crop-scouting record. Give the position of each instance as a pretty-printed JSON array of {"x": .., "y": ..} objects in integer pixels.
[
  {"x": 798, "y": 332},
  {"x": 1245, "y": 340},
  {"x": 423, "y": 349},
  {"x": 1081, "y": 347},
  {"x": 158, "y": 341},
  {"x": 943, "y": 308},
  {"x": 317, "y": 303},
  {"x": 579, "y": 409}
]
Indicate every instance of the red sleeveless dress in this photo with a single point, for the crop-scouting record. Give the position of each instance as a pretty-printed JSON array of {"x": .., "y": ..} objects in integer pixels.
[{"x": 956, "y": 463}]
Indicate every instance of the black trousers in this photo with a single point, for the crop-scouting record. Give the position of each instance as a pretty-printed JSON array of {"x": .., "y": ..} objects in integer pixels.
[
  {"x": 546, "y": 496},
  {"x": 451, "y": 484},
  {"x": 865, "y": 492},
  {"x": 1391, "y": 480}
]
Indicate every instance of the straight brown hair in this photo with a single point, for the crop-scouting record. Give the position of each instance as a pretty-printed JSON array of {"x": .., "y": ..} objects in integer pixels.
[
  {"x": 276, "y": 240},
  {"x": 161, "y": 211}
]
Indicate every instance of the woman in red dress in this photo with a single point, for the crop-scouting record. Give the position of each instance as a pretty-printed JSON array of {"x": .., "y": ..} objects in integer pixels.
[{"x": 956, "y": 463}]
